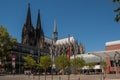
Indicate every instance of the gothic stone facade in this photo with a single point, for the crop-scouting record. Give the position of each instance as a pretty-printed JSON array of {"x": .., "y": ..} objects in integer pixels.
[
  {"x": 31, "y": 36},
  {"x": 35, "y": 37}
]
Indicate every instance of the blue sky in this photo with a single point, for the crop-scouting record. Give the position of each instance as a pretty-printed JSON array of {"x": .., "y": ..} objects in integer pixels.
[{"x": 91, "y": 22}]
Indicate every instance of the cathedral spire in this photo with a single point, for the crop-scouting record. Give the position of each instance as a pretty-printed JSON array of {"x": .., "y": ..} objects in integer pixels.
[
  {"x": 55, "y": 33},
  {"x": 28, "y": 34},
  {"x": 38, "y": 26},
  {"x": 55, "y": 26},
  {"x": 28, "y": 18},
  {"x": 39, "y": 33}
]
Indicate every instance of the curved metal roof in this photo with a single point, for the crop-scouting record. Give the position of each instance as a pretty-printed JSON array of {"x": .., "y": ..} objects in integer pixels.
[
  {"x": 88, "y": 57},
  {"x": 65, "y": 40},
  {"x": 97, "y": 56}
]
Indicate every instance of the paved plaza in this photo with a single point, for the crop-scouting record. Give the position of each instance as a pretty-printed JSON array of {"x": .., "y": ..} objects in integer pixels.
[{"x": 60, "y": 77}]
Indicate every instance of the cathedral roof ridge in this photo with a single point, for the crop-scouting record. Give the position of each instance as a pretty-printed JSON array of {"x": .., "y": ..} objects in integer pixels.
[
  {"x": 65, "y": 40},
  {"x": 66, "y": 37}
]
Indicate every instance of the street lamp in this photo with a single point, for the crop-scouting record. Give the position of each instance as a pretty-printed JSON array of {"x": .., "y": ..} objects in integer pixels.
[
  {"x": 74, "y": 63},
  {"x": 39, "y": 62},
  {"x": 69, "y": 53},
  {"x": 75, "y": 52},
  {"x": 100, "y": 64},
  {"x": 52, "y": 58},
  {"x": 13, "y": 64}
]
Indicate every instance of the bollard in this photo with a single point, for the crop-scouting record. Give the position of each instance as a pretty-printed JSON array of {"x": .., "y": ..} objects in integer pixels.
[
  {"x": 59, "y": 78},
  {"x": 33, "y": 76}
]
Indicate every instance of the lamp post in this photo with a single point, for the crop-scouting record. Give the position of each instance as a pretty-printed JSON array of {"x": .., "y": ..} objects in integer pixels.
[
  {"x": 69, "y": 51},
  {"x": 39, "y": 63},
  {"x": 100, "y": 64},
  {"x": 74, "y": 63},
  {"x": 13, "y": 64},
  {"x": 75, "y": 52},
  {"x": 52, "y": 59}
]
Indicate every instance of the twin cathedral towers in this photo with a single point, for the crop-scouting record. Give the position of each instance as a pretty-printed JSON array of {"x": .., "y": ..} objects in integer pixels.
[{"x": 31, "y": 36}]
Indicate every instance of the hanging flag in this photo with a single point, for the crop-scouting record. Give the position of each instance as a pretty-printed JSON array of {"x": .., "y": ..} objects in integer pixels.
[
  {"x": 13, "y": 61},
  {"x": 69, "y": 48}
]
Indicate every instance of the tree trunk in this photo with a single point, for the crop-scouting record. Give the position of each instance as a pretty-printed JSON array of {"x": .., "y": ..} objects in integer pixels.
[
  {"x": 45, "y": 74},
  {"x": 63, "y": 72},
  {"x": 39, "y": 77}
]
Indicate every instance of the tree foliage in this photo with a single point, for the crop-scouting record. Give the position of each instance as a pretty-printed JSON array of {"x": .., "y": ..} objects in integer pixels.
[
  {"x": 117, "y": 10},
  {"x": 91, "y": 65},
  {"x": 45, "y": 62},
  {"x": 29, "y": 62},
  {"x": 103, "y": 65},
  {"x": 61, "y": 62},
  {"x": 6, "y": 41},
  {"x": 80, "y": 62},
  {"x": 72, "y": 62}
]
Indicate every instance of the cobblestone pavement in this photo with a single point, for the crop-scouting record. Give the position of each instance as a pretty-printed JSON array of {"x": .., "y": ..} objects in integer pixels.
[{"x": 60, "y": 77}]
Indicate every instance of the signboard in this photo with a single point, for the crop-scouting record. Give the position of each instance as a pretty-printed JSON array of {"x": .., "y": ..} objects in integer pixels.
[{"x": 13, "y": 61}]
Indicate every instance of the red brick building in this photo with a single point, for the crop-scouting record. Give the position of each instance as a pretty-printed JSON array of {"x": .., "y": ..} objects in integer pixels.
[
  {"x": 111, "y": 55},
  {"x": 112, "y": 45}
]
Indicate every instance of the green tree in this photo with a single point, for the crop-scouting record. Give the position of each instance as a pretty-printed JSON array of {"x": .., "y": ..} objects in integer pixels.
[
  {"x": 103, "y": 66},
  {"x": 38, "y": 68},
  {"x": 6, "y": 43},
  {"x": 45, "y": 62},
  {"x": 117, "y": 10},
  {"x": 73, "y": 65},
  {"x": 61, "y": 62},
  {"x": 29, "y": 63},
  {"x": 72, "y": 62},
  {"x": 80, "y": 62}
]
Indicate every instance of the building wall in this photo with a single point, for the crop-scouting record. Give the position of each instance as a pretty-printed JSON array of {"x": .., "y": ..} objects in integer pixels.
[
  {"x": 107, "y": 70},
  {"x": 113, "y": 47}
]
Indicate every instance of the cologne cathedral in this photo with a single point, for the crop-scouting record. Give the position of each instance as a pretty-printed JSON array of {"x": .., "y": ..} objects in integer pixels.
[
  {"x": 34, "y": 36},
  {"x": 35, "y": 43}
]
